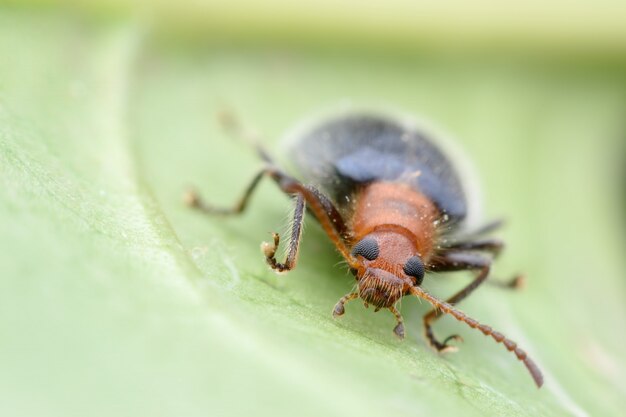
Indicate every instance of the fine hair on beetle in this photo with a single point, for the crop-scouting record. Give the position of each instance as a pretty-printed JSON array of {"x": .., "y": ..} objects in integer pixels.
[{"x": 394, "y": 206}]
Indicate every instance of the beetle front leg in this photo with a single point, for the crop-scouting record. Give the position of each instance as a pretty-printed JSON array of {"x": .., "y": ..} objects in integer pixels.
[
  {"x": 269, "y": 248},
  {"x": 399, "y": 329},
  {"x": 339, "y": 308}
]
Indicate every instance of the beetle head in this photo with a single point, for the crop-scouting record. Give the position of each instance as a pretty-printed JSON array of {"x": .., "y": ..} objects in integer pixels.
[{"x": 387, "y": 267}]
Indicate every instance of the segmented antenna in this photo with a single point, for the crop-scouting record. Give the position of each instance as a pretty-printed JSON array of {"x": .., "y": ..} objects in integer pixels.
[{"x": 510, "y": 345}]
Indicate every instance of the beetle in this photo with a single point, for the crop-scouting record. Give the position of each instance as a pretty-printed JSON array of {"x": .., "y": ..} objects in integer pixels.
[{"x": 393, "y": 205}]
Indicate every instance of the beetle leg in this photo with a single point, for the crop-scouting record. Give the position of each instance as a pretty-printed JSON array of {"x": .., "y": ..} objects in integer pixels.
[
  {"x": 192, "y": 199},
  {"x": 324, "y": 211},
  {"x": 322, "y": 208},
  {"x": 456, "y": 261},
  {"x": 339, "y": 309},
  {"x": 231, "y": 125},
  {"x": 399, "y": 329},
  {"x": 269, "y": 249},
  {"x": 518, "y": 282},
  {"x": 493, "y": 246}
]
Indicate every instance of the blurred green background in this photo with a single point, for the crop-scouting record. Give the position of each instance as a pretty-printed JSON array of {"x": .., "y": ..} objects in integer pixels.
[{"x": 115, "y": 299}]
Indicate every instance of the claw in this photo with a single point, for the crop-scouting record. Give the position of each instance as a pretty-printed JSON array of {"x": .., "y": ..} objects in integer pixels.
[
  {"x": 399, "y": 330},
  {"x": 339, "y": 310},
  {"x": 518, "y": 282},
  {"x": 191, "y": 198},
  {"x": 269, "y": 249},
  {"x": 453, "y": 337},
  {"x": 445, "y": 347}
]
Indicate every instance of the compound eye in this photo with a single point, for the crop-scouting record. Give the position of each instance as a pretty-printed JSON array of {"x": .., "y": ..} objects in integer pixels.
[
  {"x": 415, "y": 268},
  {"x": 367, "y": 248}
]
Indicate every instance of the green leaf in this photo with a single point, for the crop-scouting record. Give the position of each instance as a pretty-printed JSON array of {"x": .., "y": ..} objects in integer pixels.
[{"x": 115, "y": 299}]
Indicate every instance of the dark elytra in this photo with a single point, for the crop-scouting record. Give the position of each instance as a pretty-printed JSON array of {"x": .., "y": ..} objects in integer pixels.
[{"x": 343, "y": 153}]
